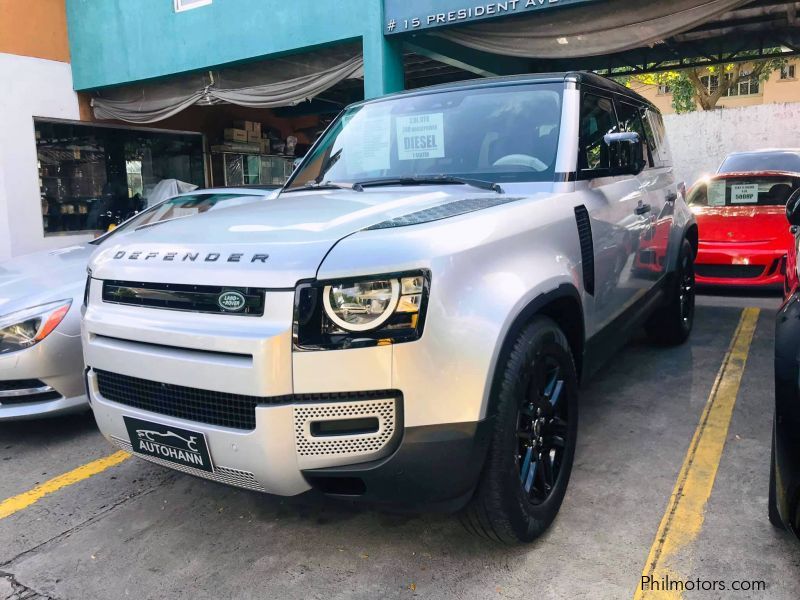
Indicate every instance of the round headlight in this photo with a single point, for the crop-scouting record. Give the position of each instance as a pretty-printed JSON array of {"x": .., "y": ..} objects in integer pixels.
[{"x": 361, "y": 305}]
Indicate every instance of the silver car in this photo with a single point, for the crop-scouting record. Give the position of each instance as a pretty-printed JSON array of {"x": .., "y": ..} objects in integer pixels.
[
  {"x": 41, "y": 365},
  {"x": 503, "y": 237}
]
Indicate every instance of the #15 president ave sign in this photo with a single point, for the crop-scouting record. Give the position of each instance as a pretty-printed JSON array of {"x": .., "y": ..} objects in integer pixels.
[{"x": 413, "y": 15}]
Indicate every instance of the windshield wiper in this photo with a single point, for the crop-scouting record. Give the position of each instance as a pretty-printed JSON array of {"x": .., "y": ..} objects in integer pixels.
[
  {"x": 332, "y": 160},
  {"x": 325, "y": 185},
  {"x": 432, "y": 180}
]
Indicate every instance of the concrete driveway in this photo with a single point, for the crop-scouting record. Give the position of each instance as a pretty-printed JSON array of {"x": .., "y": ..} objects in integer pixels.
[{"x": 137, "y": 530}]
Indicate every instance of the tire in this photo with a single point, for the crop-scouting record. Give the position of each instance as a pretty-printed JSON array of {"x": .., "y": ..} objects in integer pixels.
[
  {"x": 532, "y": 447},
  {"x": 774, "y": 515},
  {"x": 672, "y": 324}
]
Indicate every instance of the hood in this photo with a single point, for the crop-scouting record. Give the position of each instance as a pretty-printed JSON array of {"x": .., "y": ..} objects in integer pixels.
[
  {"x": 742, "y": 224},
  {"x": 42, "y": 277},
  {"x": 283, "y": 240}
]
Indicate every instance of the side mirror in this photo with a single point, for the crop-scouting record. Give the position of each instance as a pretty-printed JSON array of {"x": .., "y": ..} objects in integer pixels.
[
  {"x": 793, "y": 208},
  {"x": 625, "y": 153}
]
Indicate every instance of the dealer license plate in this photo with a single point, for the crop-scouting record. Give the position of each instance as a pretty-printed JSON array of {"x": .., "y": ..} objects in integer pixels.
[{"x": 180, "y": 446}]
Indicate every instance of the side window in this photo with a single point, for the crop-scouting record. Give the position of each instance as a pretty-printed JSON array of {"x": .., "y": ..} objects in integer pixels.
[
  {"x": 630, "y": 119},
  {"x": 654, "y": 126},
  {"x": 597, "y": 119}
]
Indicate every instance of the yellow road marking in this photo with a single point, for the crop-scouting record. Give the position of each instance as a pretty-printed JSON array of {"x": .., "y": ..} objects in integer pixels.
[
  {"x": 685, "y": 513},
  {"x": 9, "y": 506}
]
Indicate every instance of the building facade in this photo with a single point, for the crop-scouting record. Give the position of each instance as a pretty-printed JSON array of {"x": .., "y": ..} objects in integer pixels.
[
  {"x": 782, "y": 86},
  {"x": 112, "y": 98},
  {"x": 35, "y": 60}
]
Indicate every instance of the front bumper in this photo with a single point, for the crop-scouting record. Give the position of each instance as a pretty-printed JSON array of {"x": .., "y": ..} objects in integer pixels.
[
  {"x": 740, "y": 265},
  {"x": 51, "y": 374},
  {"x": 185, "y": 370},
  {"x": 787, "y": 412},
  {"x": 433, "y": 466}
]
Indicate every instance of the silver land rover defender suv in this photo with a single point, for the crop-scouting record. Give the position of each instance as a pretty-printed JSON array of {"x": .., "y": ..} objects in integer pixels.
[{"x": 408, "y": 321}]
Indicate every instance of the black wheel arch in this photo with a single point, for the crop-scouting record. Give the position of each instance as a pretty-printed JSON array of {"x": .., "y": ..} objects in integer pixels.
[
  {"x": 692, "y": 234},
  {"x": 564, "y": 306}
]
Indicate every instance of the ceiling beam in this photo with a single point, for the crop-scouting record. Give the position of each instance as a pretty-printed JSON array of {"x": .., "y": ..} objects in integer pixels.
[{"x": 467, "y": 59}]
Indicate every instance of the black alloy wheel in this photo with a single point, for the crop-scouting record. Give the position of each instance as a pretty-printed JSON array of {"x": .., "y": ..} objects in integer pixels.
[
  {"x": 542, "y": 431},
  {"x": 534, "y": 434},
  {"x": 686, "y": 293},
  {"x": 672, "y": 324}
]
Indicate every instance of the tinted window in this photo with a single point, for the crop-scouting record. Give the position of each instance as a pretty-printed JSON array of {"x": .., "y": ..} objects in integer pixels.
[
  {"x": 92, "y": 177},
  {"x": 762, "y": 161},
  {"x": 630, "y": 119},
  {"x": 657, "y": 139},
  {"x": 743, "y": 191},
  {"x": 597, "y": 119}
]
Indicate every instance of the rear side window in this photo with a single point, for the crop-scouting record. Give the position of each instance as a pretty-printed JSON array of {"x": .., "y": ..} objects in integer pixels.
[
  {"x": 630, "y": 119},
  {"x": 657, "y": 138},
  {"x": 597, "y": 119}
]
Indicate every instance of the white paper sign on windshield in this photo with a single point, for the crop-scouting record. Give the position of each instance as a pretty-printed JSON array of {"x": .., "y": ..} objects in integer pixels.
[
  {"x": 369, "y": 143},
  {"x": 184, "y": 211},
  {"x": 716, "y": 193},
  {"x": 420, "y": 136},
  {"x": 744, "y": 193}
]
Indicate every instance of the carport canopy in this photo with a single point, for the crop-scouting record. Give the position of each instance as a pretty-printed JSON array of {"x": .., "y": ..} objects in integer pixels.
[
  {"x": 614, "y": 36},
  {"x": 607, "y": 36}
]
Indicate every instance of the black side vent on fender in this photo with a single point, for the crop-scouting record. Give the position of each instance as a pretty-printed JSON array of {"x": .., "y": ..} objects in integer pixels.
[{"x": 587, "y": 247}]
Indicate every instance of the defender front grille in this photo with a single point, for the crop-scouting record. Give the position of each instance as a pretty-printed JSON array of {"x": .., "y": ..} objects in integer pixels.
[
  {"x": 729, "y": 271},
  {"x": 173, "y": 296},
  {"x": 236, "y": 411},
  {"x": 203, "y": 406}
]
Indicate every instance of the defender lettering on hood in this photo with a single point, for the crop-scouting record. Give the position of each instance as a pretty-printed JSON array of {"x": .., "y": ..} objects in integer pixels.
[{"x": 234, "y": 257}]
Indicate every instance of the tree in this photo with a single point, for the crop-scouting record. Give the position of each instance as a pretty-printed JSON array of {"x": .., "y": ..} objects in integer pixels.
[{"x": 689, "y": 90}]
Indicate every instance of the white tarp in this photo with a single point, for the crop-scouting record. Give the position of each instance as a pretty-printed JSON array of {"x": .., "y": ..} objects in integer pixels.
[
  {"x": 589, "y": 30},
  {"x": 168, "y": 188},
  {"x": 278, "y": 82}
]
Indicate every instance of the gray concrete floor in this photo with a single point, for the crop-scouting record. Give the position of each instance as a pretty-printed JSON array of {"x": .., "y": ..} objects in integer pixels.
[{"x": 138, "y": 530}]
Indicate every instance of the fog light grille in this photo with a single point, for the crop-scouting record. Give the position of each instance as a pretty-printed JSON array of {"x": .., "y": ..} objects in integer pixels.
[{"x": 359, "y": 445}]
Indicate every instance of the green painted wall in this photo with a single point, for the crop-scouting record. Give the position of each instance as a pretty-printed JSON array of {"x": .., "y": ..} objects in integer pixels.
[{"x": 114, "y": 42}]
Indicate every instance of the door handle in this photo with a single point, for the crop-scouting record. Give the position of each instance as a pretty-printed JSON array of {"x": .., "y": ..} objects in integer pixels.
[{"x": 642, "y": 209}]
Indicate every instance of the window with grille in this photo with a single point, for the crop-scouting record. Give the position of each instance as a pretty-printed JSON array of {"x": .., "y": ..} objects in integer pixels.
[
  {"x": 747, "y": 86},
  {"x": 711, "y": 83},
  {"x": 787, "y": 72}
]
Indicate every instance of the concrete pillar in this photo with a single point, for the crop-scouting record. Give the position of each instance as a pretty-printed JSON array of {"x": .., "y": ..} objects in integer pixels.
[{"x": 383, "y": 65}]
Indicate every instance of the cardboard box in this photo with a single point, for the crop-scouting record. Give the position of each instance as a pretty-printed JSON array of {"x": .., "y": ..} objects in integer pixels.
[
  {"x": 253, "y": 137},
  {"x": 248, "y": 126},
  {"x": 264, "y": 146},
  {"x": 235, "y": 135}
]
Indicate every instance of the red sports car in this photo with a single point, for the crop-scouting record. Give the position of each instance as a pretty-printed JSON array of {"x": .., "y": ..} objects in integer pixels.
[{"x": 744, "y": 235}]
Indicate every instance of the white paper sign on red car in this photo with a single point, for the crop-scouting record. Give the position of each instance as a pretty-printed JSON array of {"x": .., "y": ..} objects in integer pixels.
[{"x": 746, "y": 193}]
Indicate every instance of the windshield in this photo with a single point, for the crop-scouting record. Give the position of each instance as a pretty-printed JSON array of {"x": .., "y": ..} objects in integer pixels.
[
  {"x": 766, "y": 161},
  {"x": 743, "y": 191},
  {"x": 495, "y": 134},
  {"x": 179, "y": 206}
]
